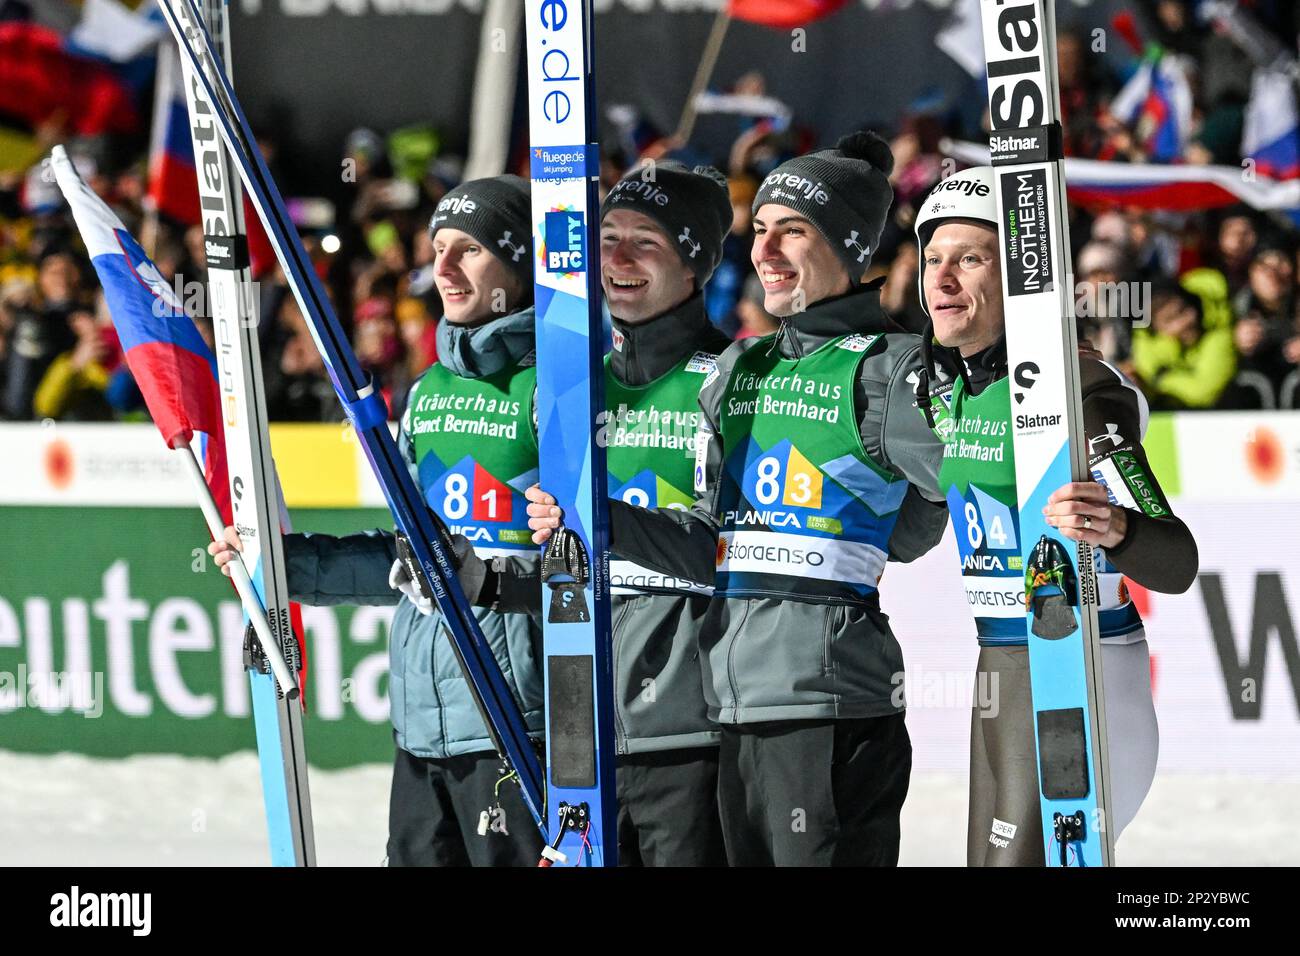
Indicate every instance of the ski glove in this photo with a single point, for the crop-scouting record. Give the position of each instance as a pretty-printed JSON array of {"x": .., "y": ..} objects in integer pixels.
[
  {"x": 470, "y": 568},
  {"x": 400, "y": 580}
]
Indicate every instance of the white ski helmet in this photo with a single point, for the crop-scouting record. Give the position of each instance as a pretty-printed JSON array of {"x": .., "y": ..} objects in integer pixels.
[{"x": 964, "y": 195}]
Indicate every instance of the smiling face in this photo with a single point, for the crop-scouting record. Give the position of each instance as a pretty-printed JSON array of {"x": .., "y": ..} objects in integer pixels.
[
  {"x": 963, "y": 285},
  {"x": 640, "y": 270},
  {"x": 794, "y": 262},
  {"x": 471, "y": 280}
]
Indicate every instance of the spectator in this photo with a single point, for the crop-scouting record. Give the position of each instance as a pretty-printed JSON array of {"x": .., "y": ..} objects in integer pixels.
[
  {"x": 376, "y": 343},
  {"x": 74, "y": 387},
  {"x": 1266, "y": 310},
  {"x": 754, "y": 319},
  {"x": 1104, "y": 304},
  {"x": 900, "y": 296},
  {"x": 39, "y": 331},
  {"x": 1235, "y": 248},
  {"x": 297, "y": 386},
  {"x": 418, "y": 331},
  {"x": 1178, "y": 362},
  {"x": 722, "y": 293}
]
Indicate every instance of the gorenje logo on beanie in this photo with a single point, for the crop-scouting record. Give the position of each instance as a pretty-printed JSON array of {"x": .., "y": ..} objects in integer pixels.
[
  {"x": 803, "y": 188},
  {"x": 625, "y": 190},
  {"x": 456, "y": 205}
]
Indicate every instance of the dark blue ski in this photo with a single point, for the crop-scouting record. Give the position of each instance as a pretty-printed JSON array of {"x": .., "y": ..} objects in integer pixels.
[{"x": 428, "y": 551}]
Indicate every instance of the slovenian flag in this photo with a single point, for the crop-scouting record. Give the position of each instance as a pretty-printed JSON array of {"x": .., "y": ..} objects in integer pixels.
[
  {"x": 173, "y": 366},
  {"x": 1271, "y": 135},
  {"x": 1156, "y": 103}
]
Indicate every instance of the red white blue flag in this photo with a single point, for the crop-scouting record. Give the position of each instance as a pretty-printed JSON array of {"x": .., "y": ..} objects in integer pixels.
[{"x": 172, "y": 364}]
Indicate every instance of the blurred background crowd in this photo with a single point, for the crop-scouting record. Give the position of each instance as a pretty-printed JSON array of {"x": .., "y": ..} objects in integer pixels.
[{"x": 1197, "y": 305}]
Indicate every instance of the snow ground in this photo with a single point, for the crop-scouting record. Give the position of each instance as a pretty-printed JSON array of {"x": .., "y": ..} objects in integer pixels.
[{"x": 178, "y": 811}]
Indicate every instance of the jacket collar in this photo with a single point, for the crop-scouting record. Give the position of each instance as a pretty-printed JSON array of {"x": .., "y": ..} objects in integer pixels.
[
  {"x": 855, "y": 311},
  {"x": 482, "y": 350},
  {"x": 648, "y": 350}
]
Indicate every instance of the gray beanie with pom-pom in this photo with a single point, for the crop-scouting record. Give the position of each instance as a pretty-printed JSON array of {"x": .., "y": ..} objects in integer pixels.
[{"x": 844, "y": 192}]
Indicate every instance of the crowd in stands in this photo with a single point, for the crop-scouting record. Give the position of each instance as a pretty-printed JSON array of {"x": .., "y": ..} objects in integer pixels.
[{"x": 1200, "y": 308}]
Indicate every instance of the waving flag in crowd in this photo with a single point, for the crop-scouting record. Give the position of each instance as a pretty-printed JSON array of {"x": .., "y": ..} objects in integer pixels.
[
  {"x": 1156, "y": 103},
  {"x": 1271, "y": 136},
  {"x": 173, "y": 367},
  {"x": 173, "y": 183},
  {"x": 40, "y": 79}
]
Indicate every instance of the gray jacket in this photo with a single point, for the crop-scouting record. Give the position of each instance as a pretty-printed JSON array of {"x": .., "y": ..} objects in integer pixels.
[
  {"x": 659, "y": 696},
  {"x": 767, "y": 659},
  {"x": 433, "y": 712}
]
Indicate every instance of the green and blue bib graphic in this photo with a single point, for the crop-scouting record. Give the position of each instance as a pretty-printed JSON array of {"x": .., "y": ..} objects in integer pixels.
[
  {"x": 476, "y": 453},
  {"x": 806, "y": 512},
  {"x": 978, "y": 475},
  {"x": 649, "y": 436}
]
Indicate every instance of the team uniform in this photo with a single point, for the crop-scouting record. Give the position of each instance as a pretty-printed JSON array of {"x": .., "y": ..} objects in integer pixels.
[
  {"x": 972, "y": 415},
  {"x": 468, "y": 439},
  {"x": 812, "y": 471},
  {"x": 800, "y": 501},
  {"x": 667, "y": 765},
  {"x": 467, "y": 436}
]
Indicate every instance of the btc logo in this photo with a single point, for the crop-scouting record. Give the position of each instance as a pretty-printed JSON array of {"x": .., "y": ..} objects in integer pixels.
[{"x": 566, "y": 242}]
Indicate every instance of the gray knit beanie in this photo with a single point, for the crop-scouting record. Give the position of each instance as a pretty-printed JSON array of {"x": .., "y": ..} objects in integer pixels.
[
  {"x": 496, "y": 211},
  {"x": 691, "y": 205},
  {"x": 844, "y": 192}
]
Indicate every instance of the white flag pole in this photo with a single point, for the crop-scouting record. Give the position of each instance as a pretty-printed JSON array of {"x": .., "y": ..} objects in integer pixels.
[{"x": 239, "y": 574}]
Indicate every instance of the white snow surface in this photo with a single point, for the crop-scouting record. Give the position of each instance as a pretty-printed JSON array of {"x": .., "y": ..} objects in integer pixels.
[{"x": 73, "y": 810}]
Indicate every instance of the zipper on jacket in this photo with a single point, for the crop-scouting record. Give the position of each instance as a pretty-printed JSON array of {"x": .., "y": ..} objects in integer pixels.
[
  {"x": 620, "y": 726},
  {"x": 731, "y": 661}
]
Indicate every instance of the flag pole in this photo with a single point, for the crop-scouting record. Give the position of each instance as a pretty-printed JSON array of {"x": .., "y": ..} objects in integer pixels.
[
  {"x": 239, "y": 575},
  {"x": 708, "y": 60}
]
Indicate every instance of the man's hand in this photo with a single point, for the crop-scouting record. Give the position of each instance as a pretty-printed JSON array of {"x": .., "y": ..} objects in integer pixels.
[
  {"x": 1083, "y": 513},
  {"x": 226, "y": 550},
  {"x": 544, "y": 515}
]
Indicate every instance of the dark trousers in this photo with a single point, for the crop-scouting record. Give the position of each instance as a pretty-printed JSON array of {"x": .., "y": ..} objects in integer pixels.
[
  {"x": 814, "y": 793},
  {"x": 668, "y": 809},
  {"x": 434, "y": 809}
]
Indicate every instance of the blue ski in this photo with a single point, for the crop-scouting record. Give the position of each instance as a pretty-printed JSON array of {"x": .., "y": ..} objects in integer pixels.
[
  {"x": 1047, "y": 429},
  {"x": 420, "y": 538},
  {"x": 581, "y": 812}
]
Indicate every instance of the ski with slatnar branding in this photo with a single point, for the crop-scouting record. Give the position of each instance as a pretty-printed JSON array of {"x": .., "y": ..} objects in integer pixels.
[
  {"x": 254, "y": 489},
  {"x": 1047, "y": 428},
  {"x": 570, "y": 393},
  {"x": 422, "y": 541}
]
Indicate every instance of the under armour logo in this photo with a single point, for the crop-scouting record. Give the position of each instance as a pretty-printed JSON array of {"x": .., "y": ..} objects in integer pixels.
[
  {"x": 685, "y": 239},
  {"x": 1112, "y": 435},
  {"x": 517, "y": 252},
  {"x": 852, "y": 240}
]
